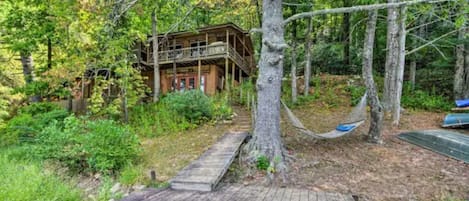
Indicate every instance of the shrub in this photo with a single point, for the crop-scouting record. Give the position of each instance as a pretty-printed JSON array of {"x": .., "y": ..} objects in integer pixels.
[
  {"x": 109, "y": 146},
  {"x": 262, "y": 163},
  {"x": 29, "y": 122},
  {"x": 101, "y": 145},
  {"x": 221, "y": 107},
  {"x": 419, "y": 99},
  {"x": 130, "y": 175},
  {"x": 157, "y": 119},
  {"x": 27, "y": 181},
  {"x": 39, "y": 108},
  {"x": 63, "y": 143},
  {"x": 194, "y": 105},
  {"x": 356, "y": 93}
]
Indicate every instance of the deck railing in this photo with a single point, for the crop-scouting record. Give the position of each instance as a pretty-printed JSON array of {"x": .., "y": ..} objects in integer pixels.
[{"x": 200, "y": 52}]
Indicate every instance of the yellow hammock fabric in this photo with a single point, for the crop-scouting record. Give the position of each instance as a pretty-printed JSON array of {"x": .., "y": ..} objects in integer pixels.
[{"x": 356, "y": 118}]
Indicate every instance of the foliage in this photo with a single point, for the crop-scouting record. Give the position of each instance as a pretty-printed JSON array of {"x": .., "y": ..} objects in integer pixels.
[
  {"x": 130, "y": 174},
  {"x": 263, "y": 162},
  {"x": 109, "y": 146},
  {"x": 356, "y": 93},
  {"x": 30, "y": 121},
  {"x": 101, "y": 145},
  {"x": 152, "y": 120},
  {"x": 221, "y": 109},
  {"x": 419, "y": 99},
  {"x": 243, "y": 92},
  {"x": 26, "y": 180},
  {"x": 38, "y": 108},
  {"x": 194, "y": 105}
]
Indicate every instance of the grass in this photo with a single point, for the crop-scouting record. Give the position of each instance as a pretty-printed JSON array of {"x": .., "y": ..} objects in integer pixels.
[
  {"x": 27, "y": 180},
  {"x": 168, "y": 154}
]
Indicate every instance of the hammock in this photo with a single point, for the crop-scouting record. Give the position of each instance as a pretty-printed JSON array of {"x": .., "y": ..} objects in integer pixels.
[{"x": 355, "y": 119}]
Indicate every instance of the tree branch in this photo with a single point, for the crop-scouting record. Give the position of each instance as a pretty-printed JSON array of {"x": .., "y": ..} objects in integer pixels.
[
  {"x": 433, "y": 45},
  {"x": 358, "y": 9},
  {"x": 431, "y": 42}
]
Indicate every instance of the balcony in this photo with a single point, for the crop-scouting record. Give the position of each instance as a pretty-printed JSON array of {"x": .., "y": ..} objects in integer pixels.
[{"x": 213, "y": 51}]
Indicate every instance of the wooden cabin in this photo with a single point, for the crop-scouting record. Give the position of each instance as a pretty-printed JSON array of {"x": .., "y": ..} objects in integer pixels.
[{"x": 211, "y": 59}]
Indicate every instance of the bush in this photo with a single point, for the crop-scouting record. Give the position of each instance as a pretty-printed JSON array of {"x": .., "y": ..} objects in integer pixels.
[
  {"x": 39, "y": 108},
  {"x": 262, "y": 163},
  {"x": 356, "y": 93},
  {"x": 27, "y": 181},
  {"x": 194, "y": 105},
  {"x": 221, "y": 107},
  {"x": 101, "y": 145},
  {"x": 157, "y": 119},
  {"x": 29, "y": 122},
  {"x": 109, "y": 146},
  {"x": 419, "y": 99}
]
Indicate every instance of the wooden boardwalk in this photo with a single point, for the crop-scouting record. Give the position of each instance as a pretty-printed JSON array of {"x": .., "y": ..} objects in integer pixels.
[
  {"x": 204, "y": 173},
  {"x": 238, "y": 193}
]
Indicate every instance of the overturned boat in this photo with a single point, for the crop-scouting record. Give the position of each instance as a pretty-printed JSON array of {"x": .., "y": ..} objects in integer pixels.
[{"x": 448, "y": 143}]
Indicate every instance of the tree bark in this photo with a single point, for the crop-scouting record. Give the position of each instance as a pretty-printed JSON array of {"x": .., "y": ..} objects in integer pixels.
[
  {"x": 400, "y": 67},
  {"x": 156, "y": 67},
  {"x": 346, "y": 35},
  {"x": 466, "y": 64},
  {"x": 266, "y": 140},
  {"x": 294, "y": 91},
  {"x": 392, "y": 57},
  {"x": 308, "y": 56},
  {"x": 460, "y": 74},
  {"x": 376, "y": 124},
  {"x": 28, "y": 72}
]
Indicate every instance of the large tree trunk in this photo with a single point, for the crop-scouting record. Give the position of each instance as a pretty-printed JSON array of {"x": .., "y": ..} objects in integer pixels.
[
  {"x": 28, "y": 72},
  {"x": 396, "y": 113},
  {"x": 308, "y": 56},
  {"x": 294, "y": 91},
  {"x": 346, "y": 35},
  {"x": 156, "y": 67},
  {"x": 266, "y": 140},
  {"x": 392, "y": 57},
  {"x": 466, "y": 91},
  {"x": 460, "y": 74},
  {"x": 376, "y": 123}
]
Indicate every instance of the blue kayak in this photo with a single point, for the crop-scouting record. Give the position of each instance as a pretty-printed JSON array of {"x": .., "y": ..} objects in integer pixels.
[
  {"x": 462, "y": 103},
  {"x": 456, "y": 120}
]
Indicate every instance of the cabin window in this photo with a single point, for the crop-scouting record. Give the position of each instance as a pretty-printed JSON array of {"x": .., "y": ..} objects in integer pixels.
[
  {"x": 198, "y": 48},
  {"x": 175, "y": 51}
]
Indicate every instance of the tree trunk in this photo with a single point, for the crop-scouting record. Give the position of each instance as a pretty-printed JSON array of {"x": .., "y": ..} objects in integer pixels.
[
  {"x": 376, "y": 123},
  {"x": 266, "y": 140},
  {"x": 392, "y": 56},
  {"x": 156, "y": 68},
  {"x": 49, "y": 53},
  {"x": 466, "y": 71},
  {"x": 413, "y": 71},
  {"x": 308, "y": 56},
  {"x": 459, "y": 68},
  {"x": 28, "y": 72},
  {"x": 460, "y": 74},
  {"x": 294, "y": 92},
  {"x": 400, "y": 67},
  {"x": 346, "y": 35}
]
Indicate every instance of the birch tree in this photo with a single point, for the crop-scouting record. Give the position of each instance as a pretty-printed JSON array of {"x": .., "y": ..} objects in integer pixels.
[
  {"x": 374, "y": 134},
  {"x": 266, "y": 140},
  {"x": 396, "y": 97},
  {"x": 392, "y": 57},
  {"x": 461, "y": 80}
]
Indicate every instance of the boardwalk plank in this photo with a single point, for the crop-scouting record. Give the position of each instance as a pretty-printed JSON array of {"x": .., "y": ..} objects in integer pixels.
[
  {"x": 279, "y": 194},
  {"x": 304, "y": 195},
  {"x": 321, "y": 196},
  {"x": 295, "y": 196}
]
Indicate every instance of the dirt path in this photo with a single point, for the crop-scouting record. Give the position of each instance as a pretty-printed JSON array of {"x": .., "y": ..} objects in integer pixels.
[{"x": 395, "y": 170}]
